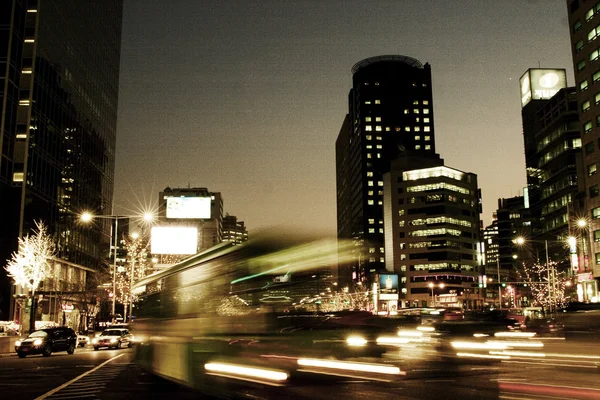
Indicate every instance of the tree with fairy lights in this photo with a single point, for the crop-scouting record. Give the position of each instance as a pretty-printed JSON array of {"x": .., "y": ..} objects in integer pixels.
[
  {"x": 135, "y": 268},
  {"x": 357, "y": 299},
  {"x": 31, "y": 264},
  {"x": 547, "y": 284}
]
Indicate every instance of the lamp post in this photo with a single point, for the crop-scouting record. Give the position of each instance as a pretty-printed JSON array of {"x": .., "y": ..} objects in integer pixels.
[
  {"x": 582, "y": 225},
  {"x": 88, "y": 217},
  {"x": 499, "y": 283}
]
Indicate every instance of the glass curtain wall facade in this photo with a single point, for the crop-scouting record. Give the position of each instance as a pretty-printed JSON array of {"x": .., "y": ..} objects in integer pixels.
[{"x": 59, "y": 79}]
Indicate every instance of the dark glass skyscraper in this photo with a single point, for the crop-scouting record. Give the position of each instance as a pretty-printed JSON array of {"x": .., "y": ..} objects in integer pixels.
[
  {"x": 59, "y": 80},
  {"x": 390, "y": 114}
]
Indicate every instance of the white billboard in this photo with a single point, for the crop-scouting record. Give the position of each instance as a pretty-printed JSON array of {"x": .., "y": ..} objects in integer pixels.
[
  {"x": 188, "y": 207},
  {"x": 541, "y": 84},
  {"x": 174, "y": 240}
]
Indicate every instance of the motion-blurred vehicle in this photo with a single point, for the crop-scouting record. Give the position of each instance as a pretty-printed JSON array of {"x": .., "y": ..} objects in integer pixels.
[
  {"x": 82, "y": 340},
  {"x": 249, "y": 313},
  {"x": 47, "y": 341},
  {"x": 113, "y": 338}
]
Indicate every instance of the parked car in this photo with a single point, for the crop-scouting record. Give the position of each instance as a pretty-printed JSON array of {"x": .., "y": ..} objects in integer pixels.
[
  {"x": 46, "y": 341},
  {"x": 82, "y": 340},
  {"x": 113, "y": 338}
]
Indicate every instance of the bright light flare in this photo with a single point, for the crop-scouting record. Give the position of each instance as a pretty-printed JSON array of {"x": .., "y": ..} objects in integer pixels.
[
  {"x": 518, "y": 353},
  {"x": 350, "y": 366},
  {"x": 514, "y": 343},
  {"x": 392, "y": 340},
  {"x": 148, "y": 217},
  {"x": 490, "y": 345},
  {"x": 86, "y": 217},
  {"x": 410, "y": 333},
  {"x": 515, "y": 334},
  {"x": 426, "y": 328},
  {"x": 244, "y": 371},
  {"x": 356, "y": 341},
  {"x": 487, "y": 356},
  {"x": 37, "y": 342},
  {"x": 18, "y": 343}
]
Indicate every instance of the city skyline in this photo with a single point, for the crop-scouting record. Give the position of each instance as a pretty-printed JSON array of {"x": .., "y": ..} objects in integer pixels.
[{"x": 248, "y": 100}]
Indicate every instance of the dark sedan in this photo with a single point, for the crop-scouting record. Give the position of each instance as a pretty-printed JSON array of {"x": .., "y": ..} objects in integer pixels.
[{"x": 47, "y": 341}]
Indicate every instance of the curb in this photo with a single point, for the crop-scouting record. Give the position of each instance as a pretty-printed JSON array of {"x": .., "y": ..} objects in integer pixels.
[{"x": 3, "y": 355}]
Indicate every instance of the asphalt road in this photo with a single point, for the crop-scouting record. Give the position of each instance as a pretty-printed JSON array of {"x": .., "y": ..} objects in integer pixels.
[{"x": 566, "y": 371}]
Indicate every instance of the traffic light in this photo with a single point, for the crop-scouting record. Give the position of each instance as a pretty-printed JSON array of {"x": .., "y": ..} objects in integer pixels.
[{"x": 504, "y": 285}]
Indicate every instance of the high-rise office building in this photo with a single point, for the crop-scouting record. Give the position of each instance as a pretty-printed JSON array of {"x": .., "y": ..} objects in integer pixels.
[
  {"x": 390, "y": 113},
  {"x": 431, "y": 214},
  {"x": 59, "y": 80},
  {"x": 234, "y": 231},
  {"x": 584, "y": 27},
  {"x": 552, "y": 158}
]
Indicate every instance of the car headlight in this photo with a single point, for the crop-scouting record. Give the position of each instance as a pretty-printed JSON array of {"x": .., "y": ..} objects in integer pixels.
[
  {"x": 37, "y": 342},
  {"x": 113, "y": 340},
  {"x": 18, "y": 343},
  {"x": 94, "y": 341},
  {"x": 356, "y": 341}
]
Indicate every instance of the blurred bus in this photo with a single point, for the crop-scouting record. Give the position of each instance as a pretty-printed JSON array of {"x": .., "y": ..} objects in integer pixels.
[{"x": 240, "y": 305}]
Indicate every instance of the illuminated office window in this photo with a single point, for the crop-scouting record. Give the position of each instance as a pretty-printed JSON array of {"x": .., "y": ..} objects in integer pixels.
[
  {"x": 591, "y": 169},
  {"x": 583, "y": 85},
  {"x": 585, "y": 106}
]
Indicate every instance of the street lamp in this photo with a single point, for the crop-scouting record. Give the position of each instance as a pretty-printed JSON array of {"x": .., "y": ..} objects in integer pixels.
[
  {"x": 87, "y": 217},
  {"x": 432, "y": 286},
  {"x": 582, "y": 225}
]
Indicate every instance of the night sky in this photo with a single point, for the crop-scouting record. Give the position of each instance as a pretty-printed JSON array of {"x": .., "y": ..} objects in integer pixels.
[{"x": 247, "y": 98}]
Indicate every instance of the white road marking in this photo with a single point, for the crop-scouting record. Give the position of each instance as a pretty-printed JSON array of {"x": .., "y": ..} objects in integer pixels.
[{"x": 50, "y": 393}]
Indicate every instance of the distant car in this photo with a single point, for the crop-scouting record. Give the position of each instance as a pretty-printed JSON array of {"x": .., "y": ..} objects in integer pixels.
[
  {"x": 113, "y": 338},
  {"x": 546, "y": 326},
  {"x": 46, "y": 341},
  {"x": 82, "y": 340}
]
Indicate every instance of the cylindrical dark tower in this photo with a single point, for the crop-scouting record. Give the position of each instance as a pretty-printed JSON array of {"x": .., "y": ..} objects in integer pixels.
[{"x": 390, "y": 114}]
